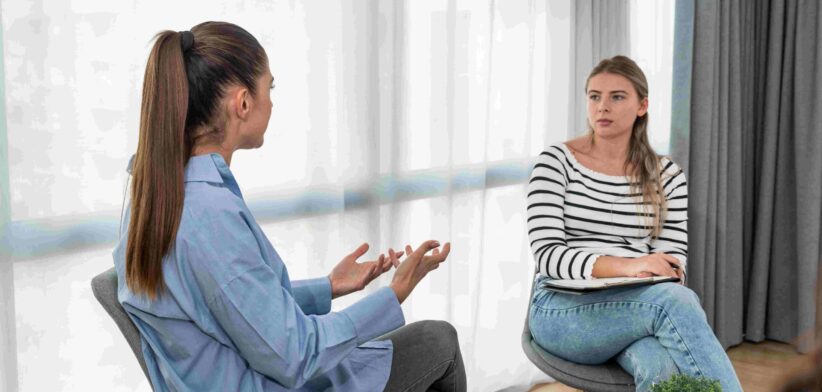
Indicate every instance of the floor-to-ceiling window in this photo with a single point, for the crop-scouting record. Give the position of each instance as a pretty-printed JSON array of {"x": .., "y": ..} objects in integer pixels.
[{"x": 393, "y": 122}]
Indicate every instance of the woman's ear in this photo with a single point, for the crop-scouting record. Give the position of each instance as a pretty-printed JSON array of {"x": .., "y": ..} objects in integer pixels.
[
  {"x": 241, "y": 103},
  {"x": 643, "y": 107}
]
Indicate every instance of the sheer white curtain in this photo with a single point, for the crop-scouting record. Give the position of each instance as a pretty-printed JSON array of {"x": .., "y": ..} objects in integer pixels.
[
  {"x": 652, "y": 40},
  {"x": 393, "y": 122}
]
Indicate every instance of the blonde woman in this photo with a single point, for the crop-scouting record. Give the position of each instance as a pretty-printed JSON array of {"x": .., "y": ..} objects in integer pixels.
[{"x": 606, "y": 205}]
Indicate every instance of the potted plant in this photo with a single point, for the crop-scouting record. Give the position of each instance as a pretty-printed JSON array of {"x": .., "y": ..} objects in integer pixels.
[{"x": 683, "y": 383}]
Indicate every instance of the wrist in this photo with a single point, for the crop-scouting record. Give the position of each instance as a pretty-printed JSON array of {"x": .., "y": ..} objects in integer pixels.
[
  {"x": 399, "y": 291},
  {"x": 623, "y": 266},
  {"x": 334, "y": 292}
]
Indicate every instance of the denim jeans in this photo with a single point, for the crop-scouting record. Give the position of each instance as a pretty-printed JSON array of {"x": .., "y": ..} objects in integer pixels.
[{"x": 652, "y": 331}]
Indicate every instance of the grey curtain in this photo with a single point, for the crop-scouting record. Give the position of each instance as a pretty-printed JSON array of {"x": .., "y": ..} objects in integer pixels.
[
  {"x": 754, "y": 137},
  {"x": 601, "y": 30}
]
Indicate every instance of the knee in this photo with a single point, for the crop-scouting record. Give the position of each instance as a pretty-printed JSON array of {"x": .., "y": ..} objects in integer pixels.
[
  {"x": 678, "y": 298},
  {"x": 441, "y": 334}
]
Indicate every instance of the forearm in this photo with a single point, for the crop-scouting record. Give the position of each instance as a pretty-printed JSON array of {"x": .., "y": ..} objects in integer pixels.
[
  {"x": 610, "y": 267},
  {"x": 559, "y": 261}
]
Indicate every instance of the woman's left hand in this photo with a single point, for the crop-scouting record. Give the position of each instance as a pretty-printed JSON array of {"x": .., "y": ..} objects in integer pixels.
[{"x": 349, "y": 276}]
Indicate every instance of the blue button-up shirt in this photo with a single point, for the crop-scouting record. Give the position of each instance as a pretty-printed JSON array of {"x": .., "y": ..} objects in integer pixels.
[{"x": 231, "y": 320}]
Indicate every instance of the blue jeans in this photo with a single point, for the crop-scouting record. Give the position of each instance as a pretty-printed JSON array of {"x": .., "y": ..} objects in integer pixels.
[{"x": 652, "y": 331}]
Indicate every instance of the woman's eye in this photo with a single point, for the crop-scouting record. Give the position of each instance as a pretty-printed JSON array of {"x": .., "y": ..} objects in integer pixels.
[
  {"x": 594, "y": 97},
  {"x": 618, "y": 97}
]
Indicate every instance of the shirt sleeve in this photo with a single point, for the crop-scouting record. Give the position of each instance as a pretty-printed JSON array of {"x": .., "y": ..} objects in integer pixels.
[
  {"x": 313, "y": 295},
  {"x": 263, "y": 318},
  {"x": 546, "y": 222},
  {"x": 673, "y": 239}
]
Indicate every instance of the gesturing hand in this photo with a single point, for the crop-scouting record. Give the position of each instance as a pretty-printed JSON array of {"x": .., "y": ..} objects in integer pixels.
[
  {"x": 349, "y": 276},
  {"x": 415, "y": 266}
]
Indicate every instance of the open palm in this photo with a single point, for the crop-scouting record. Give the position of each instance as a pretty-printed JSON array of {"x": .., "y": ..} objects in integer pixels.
[{"x": 349, "y": 276}]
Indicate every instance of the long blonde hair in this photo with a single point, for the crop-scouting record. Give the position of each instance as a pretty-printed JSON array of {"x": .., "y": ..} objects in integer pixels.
[{"x": 642, "y": 163}]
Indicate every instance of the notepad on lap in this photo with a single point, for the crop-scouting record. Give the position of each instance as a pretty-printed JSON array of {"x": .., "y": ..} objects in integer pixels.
[{"x": 581, "y": 286}]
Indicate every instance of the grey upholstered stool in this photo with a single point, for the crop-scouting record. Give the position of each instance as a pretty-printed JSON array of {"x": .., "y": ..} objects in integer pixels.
[
  {"x": 607, "y": 377},
  {"x": 104, "y": 287}
]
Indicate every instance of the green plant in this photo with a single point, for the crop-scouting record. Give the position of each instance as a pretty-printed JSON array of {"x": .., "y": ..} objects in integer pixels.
[{"x": 683, "y": 383}]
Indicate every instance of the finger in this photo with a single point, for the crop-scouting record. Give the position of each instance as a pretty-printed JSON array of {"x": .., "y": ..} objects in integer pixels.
[
  {"x": 400, "y": 253},
  {"x": 671, "y": 259},
  {"x": 440, "y": 256},
  {"x": 661, "y": 266},
  {"x": 426, "y": 246},
  {"x": 666, "y": 270},
  {"x": 644, "y": 274},
  {"x": 359, "y": 251},
  {"x": 387, "y": 264},
  {"x": 408, "y": 250},
  {"x": 384, "y": 264},
  {"x": 446, "y": 249},
  {"x": 675, "y": 267},
  {"x": 373, "y": 272},
  {"x": 394, "y": 257},
  {"x": 662, "y": 269},
  {"x": 670, "y": 271}
]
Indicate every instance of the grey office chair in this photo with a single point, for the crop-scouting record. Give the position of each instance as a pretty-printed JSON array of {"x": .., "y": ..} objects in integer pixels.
[
  {"x": 104, "y": 287},
  {"x": 606, "y": 378}
]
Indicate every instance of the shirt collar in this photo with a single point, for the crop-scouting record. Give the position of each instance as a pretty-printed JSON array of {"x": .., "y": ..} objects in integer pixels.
[{"x": 205, "y": 168}]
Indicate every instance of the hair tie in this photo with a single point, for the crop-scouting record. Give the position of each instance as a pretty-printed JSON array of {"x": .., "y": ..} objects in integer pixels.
[{"x": 186, "y": 40}]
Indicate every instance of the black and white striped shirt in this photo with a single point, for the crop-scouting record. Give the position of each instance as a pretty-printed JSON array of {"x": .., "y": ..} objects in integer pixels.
[{"x": 576, "y": 215}]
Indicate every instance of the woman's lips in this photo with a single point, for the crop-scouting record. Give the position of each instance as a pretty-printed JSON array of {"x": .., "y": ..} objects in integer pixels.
[{"x": 604, "y": 123}]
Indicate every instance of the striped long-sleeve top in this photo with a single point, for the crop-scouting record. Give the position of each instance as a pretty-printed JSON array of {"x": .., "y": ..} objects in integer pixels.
[{"x": 576, "y": 215}]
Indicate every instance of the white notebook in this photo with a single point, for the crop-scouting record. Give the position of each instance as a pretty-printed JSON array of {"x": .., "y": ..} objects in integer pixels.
[{"x": 581, "y": 286}]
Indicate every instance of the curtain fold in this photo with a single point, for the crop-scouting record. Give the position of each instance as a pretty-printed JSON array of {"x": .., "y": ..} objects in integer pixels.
[
  {"x": 755, "y": 174},
  {"x": 601, "y": 30},
  {"x": 682, "y": 78}
]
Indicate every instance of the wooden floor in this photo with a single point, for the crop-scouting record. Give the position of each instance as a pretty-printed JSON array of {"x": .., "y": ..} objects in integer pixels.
[{"x": 758, "y": 366}]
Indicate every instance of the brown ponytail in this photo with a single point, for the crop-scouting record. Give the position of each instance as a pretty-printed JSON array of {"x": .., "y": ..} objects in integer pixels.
[
  {"x": 162, "y": 152},
  {"x": 181, "y": 106}
]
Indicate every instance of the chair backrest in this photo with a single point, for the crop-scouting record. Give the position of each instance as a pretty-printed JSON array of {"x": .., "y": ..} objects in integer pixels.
[
  {"x": 104, "y": 287},
  {"x": 606, "y": 377}
]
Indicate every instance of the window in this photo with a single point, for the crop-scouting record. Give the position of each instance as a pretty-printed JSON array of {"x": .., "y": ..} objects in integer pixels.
[{"x": 652, "y": 39}]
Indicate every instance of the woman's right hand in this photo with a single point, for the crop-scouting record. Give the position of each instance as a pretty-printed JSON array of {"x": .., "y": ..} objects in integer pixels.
[
  {"x": 415, "y": 266},
  {"x": 655, "y": 264}
]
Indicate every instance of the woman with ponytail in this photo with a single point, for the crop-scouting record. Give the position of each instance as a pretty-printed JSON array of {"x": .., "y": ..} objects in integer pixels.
[
  {"x": 606, "y": 205},
  {"x": 212, "y": 299}
]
